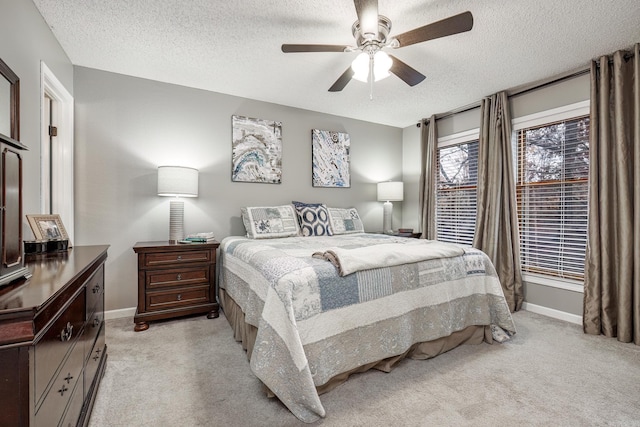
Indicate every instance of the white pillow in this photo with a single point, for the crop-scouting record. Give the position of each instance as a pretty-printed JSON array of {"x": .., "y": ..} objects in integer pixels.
[
  {"x": 345, "y": 221},
  {"x": 265, "y": 222}
]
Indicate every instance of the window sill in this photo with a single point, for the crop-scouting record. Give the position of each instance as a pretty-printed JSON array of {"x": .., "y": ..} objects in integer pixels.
[{"x": 554, "y": 282}]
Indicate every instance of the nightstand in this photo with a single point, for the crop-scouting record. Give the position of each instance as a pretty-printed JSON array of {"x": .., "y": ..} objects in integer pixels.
[{"x": 175, "y": 280}]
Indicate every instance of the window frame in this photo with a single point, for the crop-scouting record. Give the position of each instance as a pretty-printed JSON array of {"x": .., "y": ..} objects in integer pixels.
[{"x": 543, "y": 118}]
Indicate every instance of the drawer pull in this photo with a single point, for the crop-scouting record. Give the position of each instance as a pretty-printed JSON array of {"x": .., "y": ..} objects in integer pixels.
[
  {"x": 97, "y": 356},
  {"x": 179, "y": 257},
  {"x": 179, "y": 297},
  {"x": 66, "y": 333},
  {"x": 96, "y": 289},
  {"x": 63, "y": 389},
  {"x": 96, "y": 322},
  {"x": 68, "y": 378},
  {"x": 179, "y": 277}
]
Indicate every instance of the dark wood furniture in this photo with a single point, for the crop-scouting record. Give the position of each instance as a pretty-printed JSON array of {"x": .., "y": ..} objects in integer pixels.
[
  {"x": 52, "y": 345},
  {"x": 11, "y": 255},
  {"x": 175, "y": 280},
  {"x": 11, "y": 263}
]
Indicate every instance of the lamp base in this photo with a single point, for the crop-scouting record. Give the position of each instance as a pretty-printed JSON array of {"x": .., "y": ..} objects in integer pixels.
[
  {"x": 176, "y": 221},
  {"x": 387, "y": 215}
]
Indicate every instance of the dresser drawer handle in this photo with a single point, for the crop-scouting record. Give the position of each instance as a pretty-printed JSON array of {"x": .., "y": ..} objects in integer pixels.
[
  {"x": 66, "y": 333},
  {"x": 179, "y": 277},
  {"x": 96, "y": 322},
  {"x": 63, "y": 389},
  {"x": 96, "y": 289},
  {"x": 179, "y": 297},
  {"x": 68, "y": 378},
  {"x": 179, "y": 257},
  {"x": 97, "y": 356}
]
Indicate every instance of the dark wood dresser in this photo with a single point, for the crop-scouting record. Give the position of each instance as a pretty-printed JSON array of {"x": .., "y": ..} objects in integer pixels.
[
  {"x": 52, "y": 345},
  {"x": 175, "y": 280}
]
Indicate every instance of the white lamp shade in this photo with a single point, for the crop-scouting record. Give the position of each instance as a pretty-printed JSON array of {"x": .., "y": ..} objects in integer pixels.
[
  {"x": 177, "y": 181},
  {"x": 390, "y": 191}
]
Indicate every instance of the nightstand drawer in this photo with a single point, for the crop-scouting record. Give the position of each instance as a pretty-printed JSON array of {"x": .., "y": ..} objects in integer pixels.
[
  {"x": 163, "y": 300},
  {"x": 177, "y": 277},
  {"x": 177, "y": 257}
]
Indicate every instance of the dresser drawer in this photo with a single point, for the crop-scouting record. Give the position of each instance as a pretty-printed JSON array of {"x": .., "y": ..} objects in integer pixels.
[
  {"x": 176, "y": 257},
  {"x": 75, "y": 407},
  {"x": 93, "y": 362},
  {"x": 95, "y": 289},
  {"x": 50, "y": 350},
  {"x": 91, "y": 328},
  {"x": 56, "y": 400},
  {"x": 177, "y": 277},
  {"x": 174, "y": 298}
]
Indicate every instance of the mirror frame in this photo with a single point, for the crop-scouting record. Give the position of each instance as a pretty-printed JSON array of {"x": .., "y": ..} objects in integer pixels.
[{"x": 14, "y": 81}]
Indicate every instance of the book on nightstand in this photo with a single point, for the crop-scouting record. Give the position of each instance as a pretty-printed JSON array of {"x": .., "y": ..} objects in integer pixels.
[{"x": 206, "y": 237}]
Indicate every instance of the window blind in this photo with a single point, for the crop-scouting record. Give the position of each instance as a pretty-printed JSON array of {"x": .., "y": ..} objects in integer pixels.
[
  {"x": 457, "y": 180},
  {"x": 552, "y": 197}
]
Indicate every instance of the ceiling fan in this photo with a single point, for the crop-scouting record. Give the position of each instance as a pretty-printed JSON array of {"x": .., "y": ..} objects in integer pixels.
[{"x": 371, "y": 32}]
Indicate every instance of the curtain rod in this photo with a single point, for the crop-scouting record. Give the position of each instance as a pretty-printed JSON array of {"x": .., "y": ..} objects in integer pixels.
[
  {"x": 520, "y": 90},
  {"x": 516, "y": 91}
]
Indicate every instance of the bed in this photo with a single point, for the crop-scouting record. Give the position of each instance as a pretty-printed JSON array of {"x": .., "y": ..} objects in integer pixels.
[{"x": 306, "y": 327}]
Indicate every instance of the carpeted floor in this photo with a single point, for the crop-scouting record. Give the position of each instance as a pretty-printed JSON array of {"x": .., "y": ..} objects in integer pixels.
[{"x": 191, "y": 372}]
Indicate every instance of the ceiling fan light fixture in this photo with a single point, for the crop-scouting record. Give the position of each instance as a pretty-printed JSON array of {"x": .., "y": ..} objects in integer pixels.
[
  {"x": 360, "y": 67},
  {"x": 381, "y": 66}
]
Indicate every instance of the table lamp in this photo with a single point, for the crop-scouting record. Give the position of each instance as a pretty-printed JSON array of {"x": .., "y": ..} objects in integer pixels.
[
  {"x": 177, "y": 181},
  {"x": 388, "y": 192}
]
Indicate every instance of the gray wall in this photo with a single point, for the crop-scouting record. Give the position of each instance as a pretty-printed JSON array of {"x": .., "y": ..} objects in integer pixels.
[
  {"x": 553, "y": 96},
  {"x": 25, "y": 40},
  {"x": 126, "y": 127}
]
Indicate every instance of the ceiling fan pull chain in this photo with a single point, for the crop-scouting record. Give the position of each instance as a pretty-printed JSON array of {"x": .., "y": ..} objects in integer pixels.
[{"x": 371, "y": 76}]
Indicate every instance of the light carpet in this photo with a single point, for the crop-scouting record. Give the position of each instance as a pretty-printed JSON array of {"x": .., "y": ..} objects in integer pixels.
[{"x": 191, "y": 372}]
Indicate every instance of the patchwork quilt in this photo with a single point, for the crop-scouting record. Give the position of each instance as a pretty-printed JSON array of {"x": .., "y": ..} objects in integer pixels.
[{"x": 314, "y": 324}]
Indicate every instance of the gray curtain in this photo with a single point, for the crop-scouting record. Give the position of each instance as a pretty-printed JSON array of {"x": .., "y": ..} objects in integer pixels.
[
  {"x": 496, "y": 231},
  {"x": 612, "y": 267},
  {"x": 427, "y": 197}
]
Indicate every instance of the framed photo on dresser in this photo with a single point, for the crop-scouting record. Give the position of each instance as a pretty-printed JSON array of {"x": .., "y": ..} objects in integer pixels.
[{"x": 47, "y": 227}]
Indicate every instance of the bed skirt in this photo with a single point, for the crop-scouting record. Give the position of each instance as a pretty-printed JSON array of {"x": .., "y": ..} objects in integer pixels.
[{"x": 246, "y": 334}]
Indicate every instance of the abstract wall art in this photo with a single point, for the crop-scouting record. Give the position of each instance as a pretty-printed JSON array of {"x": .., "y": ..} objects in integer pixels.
[
  {"x": 257, "y": 150},
  {"x": 330, "y": 151}
]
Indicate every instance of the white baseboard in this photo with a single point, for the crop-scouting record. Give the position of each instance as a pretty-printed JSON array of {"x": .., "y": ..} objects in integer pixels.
[
  {"x": 120, "y": 313},
  {"x": 550, "y": 312}
]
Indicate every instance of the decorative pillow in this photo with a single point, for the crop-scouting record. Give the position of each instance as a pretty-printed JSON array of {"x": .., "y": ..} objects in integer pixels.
[
  {"x": 345, "y": 221},
  {"x": 313, "y": 219},
  {"x": 270, "y": 221}
]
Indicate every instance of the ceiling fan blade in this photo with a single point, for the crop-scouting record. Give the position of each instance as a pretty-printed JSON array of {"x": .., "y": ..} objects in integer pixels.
[
  {"x": 409, "y": 75},
  {"x": 446, "y": 27},
  {"x": 367, "y": 11},
  {"x": 297, "y": 48},
  {"x": 342, "y": 81}
]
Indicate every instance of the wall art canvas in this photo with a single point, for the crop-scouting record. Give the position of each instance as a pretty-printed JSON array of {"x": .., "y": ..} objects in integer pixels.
[
  {"x": 257, "y": 150},
  {"x": 330, "y": 151}
]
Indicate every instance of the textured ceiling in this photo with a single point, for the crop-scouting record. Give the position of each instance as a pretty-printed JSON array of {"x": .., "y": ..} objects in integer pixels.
[{"x": 233, "y": 47}]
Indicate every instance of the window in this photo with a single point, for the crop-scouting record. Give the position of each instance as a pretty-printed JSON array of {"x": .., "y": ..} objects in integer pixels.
[
  {"x": 456, "y": 183},
  {"x": 552, "y": 196}
]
